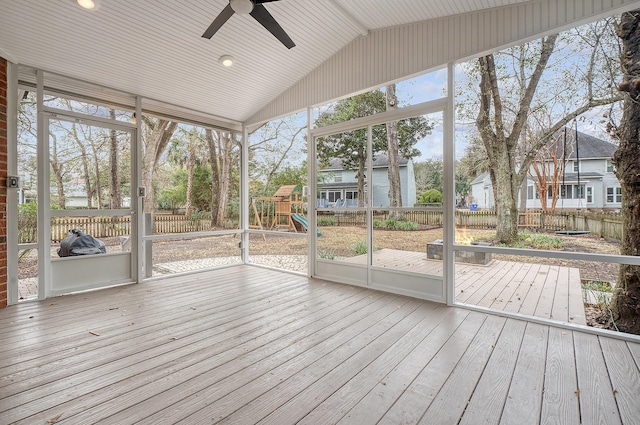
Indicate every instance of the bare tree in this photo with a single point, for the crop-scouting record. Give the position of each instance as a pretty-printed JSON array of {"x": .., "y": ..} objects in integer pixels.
[
  {"x": 503, "y": 114},
  {"x": 393, "y": 154},
  {"x": 159, "y": 133},
  {"x": 115, "y": 196}
]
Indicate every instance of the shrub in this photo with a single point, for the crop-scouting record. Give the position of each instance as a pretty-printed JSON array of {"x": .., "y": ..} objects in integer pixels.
[
  {"x": 377, "y": 224},
  {"x": 326, "y": 221},
  {"x": 431, "y": 196},
  {"x": 359, "y": 248},
  {"x": 327, "y": 254},
  {"x": 391, "y": 224},
  {"x": 407, "y": 225},
  {"x": 538, "y": 241}
]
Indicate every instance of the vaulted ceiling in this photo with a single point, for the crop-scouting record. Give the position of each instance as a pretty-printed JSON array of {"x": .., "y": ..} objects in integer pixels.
[{"x": 154, "y": 48}]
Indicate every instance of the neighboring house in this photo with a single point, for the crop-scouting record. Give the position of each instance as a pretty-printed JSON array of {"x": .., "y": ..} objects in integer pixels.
[
  {"x": 482, "y": 192},
  {"x": 336, "y": 183},
  {"x": 589, "y": 181}
]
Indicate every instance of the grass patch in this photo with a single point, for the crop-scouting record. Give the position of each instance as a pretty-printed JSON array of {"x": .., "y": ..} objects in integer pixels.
[
  {"x": 328, "y": 254},
  {"x": 359, "y": 248},
  {"x": 535, "y": 241},
  {"x": 326, "y": 221},
  {"x": 596, "y": 292}
]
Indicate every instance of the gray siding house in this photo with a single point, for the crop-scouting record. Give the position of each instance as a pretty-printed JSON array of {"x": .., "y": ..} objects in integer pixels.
[
  {"x": 589, "y": 181},
  {"x": 337, "y": 184}
]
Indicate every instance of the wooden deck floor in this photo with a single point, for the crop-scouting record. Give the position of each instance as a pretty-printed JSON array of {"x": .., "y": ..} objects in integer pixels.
[
  {"x": 539, "y": 290},
  {"x": 248, "y": 345}
]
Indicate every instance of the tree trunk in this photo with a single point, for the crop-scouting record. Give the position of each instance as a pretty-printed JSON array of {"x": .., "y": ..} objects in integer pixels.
[
  {"x": 57, "y": 169},
  {"x": 115, "y": 198},
  {"x": 215, "y": 176},
  {"x": 191, "y": 166},
  {"x": 85, "y": 167},
  {"x": 156, "y": 143},
  {"x": 393, "y": 171},
  {"x": 225, "y": 141},
  {"x": 625, "y": 304}
]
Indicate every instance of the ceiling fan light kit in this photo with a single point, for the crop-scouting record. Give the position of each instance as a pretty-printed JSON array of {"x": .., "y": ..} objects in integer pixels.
[
  {"x": 257, "y": 12},
  {"x": 241, "y": 7},
  {"x": 88, "y": 4},
  {"x": 226, "y": 60}
]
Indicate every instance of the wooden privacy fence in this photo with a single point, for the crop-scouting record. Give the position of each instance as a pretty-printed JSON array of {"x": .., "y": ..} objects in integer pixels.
[
  {"x": 105, "y": 227},
  {"x": 599, "y": 224}
]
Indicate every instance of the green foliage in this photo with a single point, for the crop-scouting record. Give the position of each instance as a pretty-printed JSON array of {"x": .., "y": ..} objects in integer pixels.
[
  {"x": 326, "y": 221},
  {"x": 536, "y": 241},
  {"x": 428, "y": 175},
  {"x": 27, "y": 222},
  {"x": 350, "y": 147},
  {"x": 391, "y": 224},
  {"x": 431, "y": 196},
  {"x": 359, "y": 248},
  {"x": 406, "y": 225},
  {"x": 378, "y": 224},
  {"x": 598, "y": 291},
  {"x": 327, "y": 254}
]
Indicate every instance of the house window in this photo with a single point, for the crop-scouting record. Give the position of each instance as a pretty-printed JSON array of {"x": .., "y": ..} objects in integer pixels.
[
  {"x": 576, "y": 166},
  {"x": 351, "y": 194},
  {"x": 550, "y": 192},
  {"x": 614, "y": 194},
  {"x": 333, "y": 196},
  {"x": 589, "y": 194},
  {"x": 578, "y": 191},
  {"x": 529, "y": 192},
  {"x": 337, "y": 177},
  {"x": 610, "y": 168}
]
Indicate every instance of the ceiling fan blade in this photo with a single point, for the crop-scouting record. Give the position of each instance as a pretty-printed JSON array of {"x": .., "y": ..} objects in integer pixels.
[
  {"x": 223, "y": 17},
  {"x": 263, "y": 16},
  {"x": 263, "y": 1}
]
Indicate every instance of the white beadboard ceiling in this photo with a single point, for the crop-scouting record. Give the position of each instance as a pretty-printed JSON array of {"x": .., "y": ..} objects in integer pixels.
[{"x": 154, "y": 48}]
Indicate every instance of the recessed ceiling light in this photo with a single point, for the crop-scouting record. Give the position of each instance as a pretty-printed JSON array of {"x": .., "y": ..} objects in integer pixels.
[
  {"x": 88, "y": 4},
  {"x": 226, "y": 60}
]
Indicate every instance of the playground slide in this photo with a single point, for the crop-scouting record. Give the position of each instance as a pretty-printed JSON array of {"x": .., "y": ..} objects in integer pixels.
[{"x": 303, "y": 221}]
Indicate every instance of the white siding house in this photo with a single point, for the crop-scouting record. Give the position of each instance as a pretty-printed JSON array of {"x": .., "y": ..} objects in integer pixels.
[{"x": 337, "y": 183}]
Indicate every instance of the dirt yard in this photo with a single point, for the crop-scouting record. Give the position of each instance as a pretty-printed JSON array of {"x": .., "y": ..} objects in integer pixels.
[{"x": 340, "y": 241}]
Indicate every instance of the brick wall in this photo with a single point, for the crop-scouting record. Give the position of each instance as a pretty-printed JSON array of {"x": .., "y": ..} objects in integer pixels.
[{"x": 3, "y": 179}]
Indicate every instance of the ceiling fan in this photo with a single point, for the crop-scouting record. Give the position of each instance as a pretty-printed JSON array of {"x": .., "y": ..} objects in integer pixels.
[{"x": 259, "y": 13}]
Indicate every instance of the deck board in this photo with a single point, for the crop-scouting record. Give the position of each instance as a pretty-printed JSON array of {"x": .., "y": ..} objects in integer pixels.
[
  {"x": 532, "y": 289},
  {"x": 245, "y": 344}
]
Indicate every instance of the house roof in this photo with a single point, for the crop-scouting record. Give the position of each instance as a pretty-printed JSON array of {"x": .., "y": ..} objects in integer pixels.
[
  {"x": 380, "y": 161},
  {"x": 286, "y": 190},
  {"x": 480, "y": 178},
  {"x": 587, "y": 146},
  {"x": 154, "y": 48}
]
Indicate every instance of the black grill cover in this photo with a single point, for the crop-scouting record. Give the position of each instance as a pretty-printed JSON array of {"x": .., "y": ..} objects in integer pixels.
[{"x": 78, "y": 243}]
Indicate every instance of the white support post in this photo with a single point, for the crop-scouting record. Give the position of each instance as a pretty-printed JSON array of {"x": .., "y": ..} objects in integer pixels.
[
  {"x": 138, "y": 250},
  {"x": 449, "y": 189},
  {"x": 369, "y": 198},
  {"x": 12, "y": 194},
  {"x": 312, "y": 182},
  {"x": 44, "y": 196},
  {"x": 244, "y": 196}
]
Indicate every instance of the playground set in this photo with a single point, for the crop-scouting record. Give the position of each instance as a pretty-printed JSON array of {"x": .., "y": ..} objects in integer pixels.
[{"x": 285, "y": 209}]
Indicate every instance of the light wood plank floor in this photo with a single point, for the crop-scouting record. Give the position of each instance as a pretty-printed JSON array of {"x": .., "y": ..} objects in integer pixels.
[
  {"x": 551, "y": 292},
  {"x": 247, "y": 345}
]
